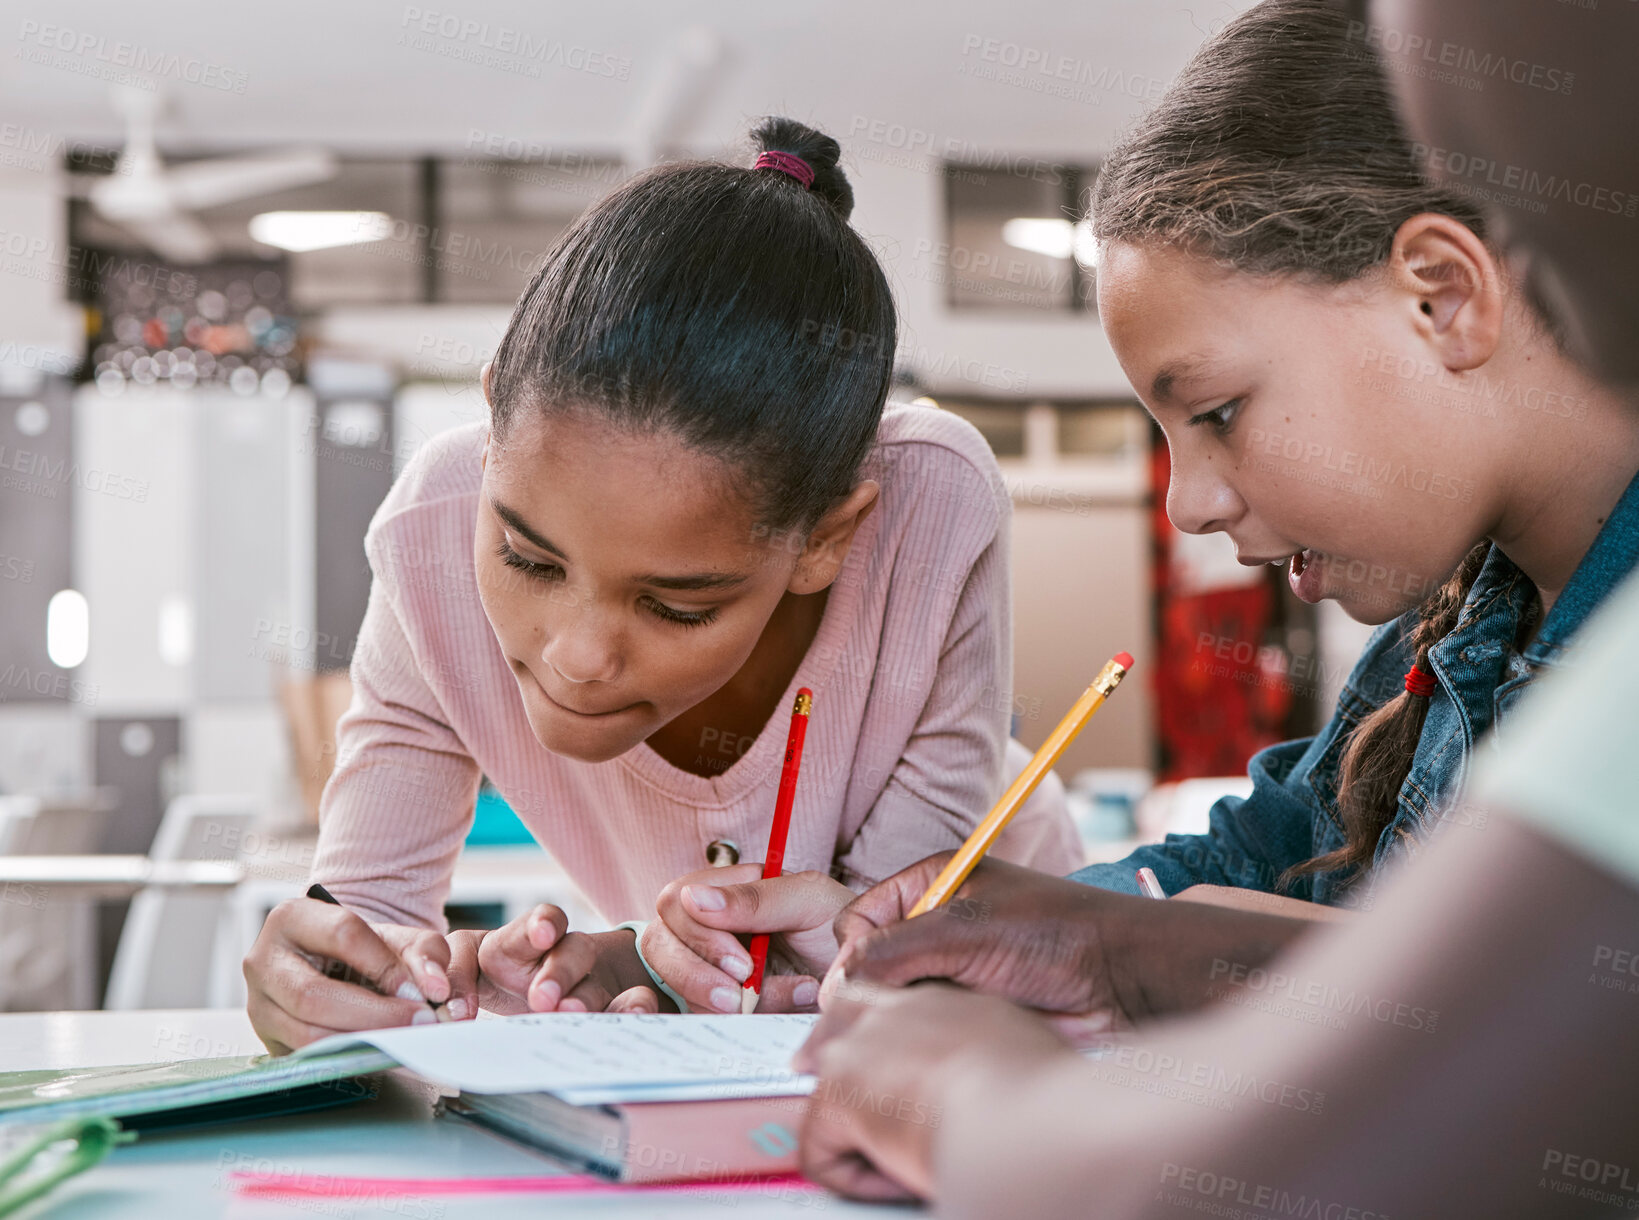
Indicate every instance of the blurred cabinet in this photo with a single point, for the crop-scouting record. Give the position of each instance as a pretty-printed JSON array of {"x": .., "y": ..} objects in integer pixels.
[
  {"x": 352, "y": 473},
  {"x": 1081, "y": 593},
  {"x": 183, "y": 543},
  {"x": 38, "y": 474},
  {"x": 1078, "y": 474},
  {"x": 242, "y": 539}
]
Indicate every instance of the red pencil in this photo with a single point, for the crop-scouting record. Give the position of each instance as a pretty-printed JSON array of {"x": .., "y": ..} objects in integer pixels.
[{"x": 776, "y": 838}]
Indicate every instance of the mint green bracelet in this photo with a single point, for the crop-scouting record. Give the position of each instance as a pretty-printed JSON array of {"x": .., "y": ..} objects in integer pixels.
[{"x": 637, "y": 926}]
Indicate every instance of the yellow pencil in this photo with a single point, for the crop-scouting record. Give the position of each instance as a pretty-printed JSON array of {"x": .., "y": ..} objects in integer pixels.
[{"x": 982, "y": 839}]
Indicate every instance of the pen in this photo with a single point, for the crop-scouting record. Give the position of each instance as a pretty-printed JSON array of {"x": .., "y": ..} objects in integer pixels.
[
  {"x": 967, "y": 857},
  {"x": 334, "y": 969},
  {"x": 1149, "y": 884},
  {"x": 775, "y": 860}
]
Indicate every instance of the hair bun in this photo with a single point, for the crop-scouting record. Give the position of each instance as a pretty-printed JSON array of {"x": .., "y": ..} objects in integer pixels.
[{"x": 776, "y": 134}]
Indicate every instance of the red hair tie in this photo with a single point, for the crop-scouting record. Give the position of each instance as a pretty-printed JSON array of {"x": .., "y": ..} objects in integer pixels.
[
  {"x": 788, "y": 163},
  {"x": 1419, "y": 682}
]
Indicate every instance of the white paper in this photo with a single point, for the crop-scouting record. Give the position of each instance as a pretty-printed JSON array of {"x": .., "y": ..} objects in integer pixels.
[{"x": 595, "y": 1058}]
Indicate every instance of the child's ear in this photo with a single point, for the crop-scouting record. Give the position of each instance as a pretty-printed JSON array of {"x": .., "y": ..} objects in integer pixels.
[
  {"x": 483, "y": 381},
  {"x": 828, "y": 542},
  {"x": 1453, "y": 285}
]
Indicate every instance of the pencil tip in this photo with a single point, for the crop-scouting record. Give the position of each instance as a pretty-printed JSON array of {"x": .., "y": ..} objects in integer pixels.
[{"x": 748, "y": 1001}]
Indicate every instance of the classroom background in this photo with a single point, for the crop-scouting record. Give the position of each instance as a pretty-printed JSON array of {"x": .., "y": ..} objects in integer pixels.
[{"x": 248, "y": 267}]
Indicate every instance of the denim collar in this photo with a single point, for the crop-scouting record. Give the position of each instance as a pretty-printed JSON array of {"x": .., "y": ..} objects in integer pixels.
[
  {"x": 1614, "y": 553},
  {"x": 1608, "y": 561}
]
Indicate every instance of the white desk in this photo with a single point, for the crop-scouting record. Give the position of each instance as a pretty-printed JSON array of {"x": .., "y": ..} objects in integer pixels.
[
  {"x": 183, "y": 1176},
  {"x": 36, "y": 879}
]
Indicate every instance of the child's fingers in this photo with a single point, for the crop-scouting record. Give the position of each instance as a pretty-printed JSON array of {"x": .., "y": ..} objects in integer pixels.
[
  {"x": 835, "y": 1143},
  {"x": 343, "y": 936},
  {"x": 702, "y": 985},
  {"x": 545, "y": 926},
  {"x": 290, "y": 998},
  {"x": 798, "y": 907},
  {"x": 887, "y": 902},
  {"x": 426, "y": 953},
  {"x": 794, "y": 902},
  {"x": 308, "y": 997},
  {"x": 588, "y": 995},
  {"x": 566, "y": 965},
  {"x": 789, "y": 993},
  {"x": 1084, "y": 1030},
  {"x": 280, "y": 1032},
  {"x": 635, "y": 999},
  {"x": 843, "y": 1009},
  {"x": 719, "y": 948},
  {"x": 509, "y": 956},
  {"x": 524, "y": 940},
  {"x": 463, "y": 975}
]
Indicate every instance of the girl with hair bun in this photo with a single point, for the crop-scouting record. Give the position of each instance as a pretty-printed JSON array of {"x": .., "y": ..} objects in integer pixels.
[{"x": 687, "y": 503}]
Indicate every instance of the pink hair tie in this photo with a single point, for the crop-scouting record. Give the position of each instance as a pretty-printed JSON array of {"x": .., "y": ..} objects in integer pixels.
[
  {"x": 788, "y": 163},
  {"x": 1420, "y": 682}
]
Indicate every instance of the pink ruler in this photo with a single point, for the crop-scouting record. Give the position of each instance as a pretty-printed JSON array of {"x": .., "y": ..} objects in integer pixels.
[{"x": 322, "y": 1185}]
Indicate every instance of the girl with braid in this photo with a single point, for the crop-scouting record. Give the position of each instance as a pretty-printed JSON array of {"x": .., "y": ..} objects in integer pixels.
[{"x": 1354, "y": 386}]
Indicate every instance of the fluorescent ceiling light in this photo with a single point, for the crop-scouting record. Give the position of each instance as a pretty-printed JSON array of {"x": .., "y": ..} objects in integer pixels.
[
  {"x": 175, "y": 630},
  {"x": 302, "y": 231},
  {"x": 1053, "y": 236},
  {"x": 68, "y": 628}
]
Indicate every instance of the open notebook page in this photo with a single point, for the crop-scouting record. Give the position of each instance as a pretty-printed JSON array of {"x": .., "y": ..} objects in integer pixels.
[{"x": 599, "y": 1058}]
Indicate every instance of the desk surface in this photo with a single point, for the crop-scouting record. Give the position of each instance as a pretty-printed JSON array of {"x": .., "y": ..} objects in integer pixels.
[
  {"x": 109, "y": 876},
  {"x": 183, "y": 1176}
]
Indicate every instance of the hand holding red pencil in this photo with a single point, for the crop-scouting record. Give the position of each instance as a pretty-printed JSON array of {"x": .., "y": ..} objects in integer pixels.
[
  {"x": 713, "y": 936},
  {"x": 699, "y": 943},
  {"x": 774, "y": 861}
]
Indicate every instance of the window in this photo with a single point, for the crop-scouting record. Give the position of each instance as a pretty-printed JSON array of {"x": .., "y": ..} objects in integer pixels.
[
  {"x": 1014, "y": 241},
  {"x": 465, "y": 230}
]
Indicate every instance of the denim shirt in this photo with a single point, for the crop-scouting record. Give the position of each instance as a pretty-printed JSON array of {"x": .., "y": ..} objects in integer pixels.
[{"x": 1292, "y": 814}]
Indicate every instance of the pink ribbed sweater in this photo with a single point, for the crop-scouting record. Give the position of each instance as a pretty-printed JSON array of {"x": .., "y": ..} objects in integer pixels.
[{"x": 911, "y": 670}]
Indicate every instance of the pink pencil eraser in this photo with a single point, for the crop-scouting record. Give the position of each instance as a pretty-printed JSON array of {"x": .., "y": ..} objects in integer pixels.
[{"x": 1124, "y": 659}]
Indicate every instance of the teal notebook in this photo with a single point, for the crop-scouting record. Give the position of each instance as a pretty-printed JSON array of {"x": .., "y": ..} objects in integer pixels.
[{"x": 191, "y": 1092}]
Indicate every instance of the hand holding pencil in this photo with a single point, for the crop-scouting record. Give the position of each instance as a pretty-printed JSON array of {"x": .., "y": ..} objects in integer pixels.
[
  {"x": 989, "y": 830},
  {"x": 714, "y": 933},
  {"x": 774, "y": 862},
  {"x": 698, "y": 912},
  {"x": 1028, "y": 939}
]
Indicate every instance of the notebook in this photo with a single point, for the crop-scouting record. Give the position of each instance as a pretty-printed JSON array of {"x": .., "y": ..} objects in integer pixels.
[
  {"x": 725, "y": 1140},
  {"x": 191, "y": 1092},
  {"x": 598, "y": 1058},
  {"x": 634, "y": 1097}
]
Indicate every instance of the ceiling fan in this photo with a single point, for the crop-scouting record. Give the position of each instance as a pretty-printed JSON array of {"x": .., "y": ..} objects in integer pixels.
[{"x": 155, "y": 202}]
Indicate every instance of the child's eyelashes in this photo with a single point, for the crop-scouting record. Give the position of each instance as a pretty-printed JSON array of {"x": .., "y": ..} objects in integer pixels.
[
  {"x": 554, "y": 572},
  {"x": 540, "y": 571},
  {"x": 1219, "y": 418},
  {"x": 683, "y": 618}
]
